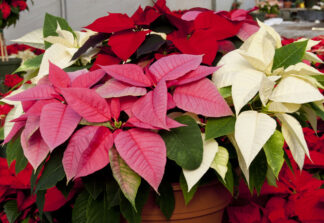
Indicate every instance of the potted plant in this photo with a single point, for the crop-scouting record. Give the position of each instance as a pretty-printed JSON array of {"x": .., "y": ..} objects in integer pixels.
[
  {"x": 147, "y": 126},
  {"x": 270, "y": 8}
]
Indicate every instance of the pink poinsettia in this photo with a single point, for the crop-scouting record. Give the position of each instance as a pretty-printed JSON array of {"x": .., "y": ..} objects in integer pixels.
[{"x": 54, "y": 108}]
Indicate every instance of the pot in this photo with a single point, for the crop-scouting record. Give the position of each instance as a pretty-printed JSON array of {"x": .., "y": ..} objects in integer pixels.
[
  {"x": 7, "y": 67},
  {"x": 207, "y": 206},
  {"x": 287, "y": 4}
]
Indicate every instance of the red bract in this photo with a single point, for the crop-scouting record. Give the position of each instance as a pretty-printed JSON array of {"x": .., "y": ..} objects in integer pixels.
[{"x": 22, "y": 5}]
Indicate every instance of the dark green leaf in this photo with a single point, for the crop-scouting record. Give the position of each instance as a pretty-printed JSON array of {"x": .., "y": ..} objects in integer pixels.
[
  {"x": 50, "y": 26},
  {"x": 34, "y": 177},
  {"x": 95, "y": 184},
  {"x": 151, "y": 44},
  {"x": 217, "y": 127},
  {"x": 258, "y": 170},
  {"x": 11, "y": 210},
  {"x": 274, "y": 152},
  {"x": 184, "y": 187},
  {"x": 65, "y": 188},
  {"x": 229, "y": 179},
  {"x": 166, "y": 200},
  {"x": 184, "y": 144},
  {"x": 21, "y": 161},
  {"x": 112, "y": 194},
  {"x": 53, "y": 171},
  {"x": 97, "y": 211},
  {"x": 79, "y": 211},
  {"x": 40, "y": 201},
  {"x": 76, "y": 68},
  {"x": 127, "y": 209},
  {"x": 290, "y": 54},
  {"x": 317, "y": 110}
]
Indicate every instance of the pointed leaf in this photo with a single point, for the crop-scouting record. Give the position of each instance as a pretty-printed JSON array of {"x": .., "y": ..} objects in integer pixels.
[
  {"x": 144, "y": 152},
  {"x": 39, "y": 92},
  {"x": 217, "y": 127},
  {"x": 88, "y": 79},
  {"x": 58, "y": 77},
  {"x": 201, "y": 97},
  {"x": 266, "y": 88},
  {"x": 128, "y": 73},
  {"x": 283, "y": 107},
  {"x": 11, "y": 211},
  {"x": 152, "y": 108},
  {"x": 166, "y": 200},
  {"x": 87, "y": 103},
  {"x": 252, "y": 131},
  {"x": 187, "y": 195},
  {"x": 174, "y": 66},
  {"x": 295, "y": 90},
  {"x": 290, "y": 54},
  {"x": 57, "y": 123},
  {"x": 80, "y": 207},
  {"x": 115, "y": 89},
  {"x": 220, "y": 162},
  {"x": 127, "y": 179},
  {"x": 294, "y": 136},
  {"x": 32, "y": 125},
  {"x": 244, "y": 88},
  {"x": 15, "y": 129},
  {"x": 193, "y": 176},
  {"x": 184, "y": 144},
  {"x": 87, "y": 151},
  {"x": 274, "y": 152},
  {"x": 35, "y": 149}
]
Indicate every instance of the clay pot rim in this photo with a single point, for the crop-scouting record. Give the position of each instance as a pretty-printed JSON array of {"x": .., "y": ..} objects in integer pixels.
[{"x": 176, "y": 186}]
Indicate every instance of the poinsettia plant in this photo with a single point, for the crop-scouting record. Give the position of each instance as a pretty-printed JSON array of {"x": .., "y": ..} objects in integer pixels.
[{"x": 129, "y": 105}]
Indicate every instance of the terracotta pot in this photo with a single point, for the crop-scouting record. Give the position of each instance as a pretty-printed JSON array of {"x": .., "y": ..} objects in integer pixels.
[
  {"x": 271, "y": 15},
  {"x": 207, "y": 206},
  {"x": 287, "y": 4}
]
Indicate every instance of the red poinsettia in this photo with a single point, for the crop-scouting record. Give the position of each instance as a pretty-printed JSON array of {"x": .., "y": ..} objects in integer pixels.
[
  {"x": 5, "y": 9},
  {"x": 22, "y": 5},
  {"x": 11, "y": 80}
]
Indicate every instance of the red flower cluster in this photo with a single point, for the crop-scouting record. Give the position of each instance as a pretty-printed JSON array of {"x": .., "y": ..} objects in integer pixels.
[
  {"x": 11, "y": 80},
  {"x": 5, "y": 7},
  {"x": 15, "y": 48},
  {"x": 195, "y": 31}
]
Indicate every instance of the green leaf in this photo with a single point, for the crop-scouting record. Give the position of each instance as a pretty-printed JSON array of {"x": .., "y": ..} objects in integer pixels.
[
  {"x": 76, "y": 68},
  {"x": 53, "y": 171},
  {"x": 128, "y": 211},
  {"x": 258, "y": 170},
  {"x": 95, "y": 184},
  {"x": 319, "y": 78},
  {"x": 220, "y": 161},
  {"x": 166, "y": 200},
  {"x": 64, "y": 188},
  {"x": 128, "y": 180},
  {"x": 225, "y": 91},
  {"x": 112, "y": 194},
  {"x": 229, "y": 178},
  {"x": 31, "y": 64},
  {"x": 274, "y": 152},
  {"x": 97, "y": 211},
  {"x": 317, "y": 110},
  {"x": 34, "y": 177},
  {"x": 184, "y": 144},
  {"x": 40, "y": 201},
  {"x": 184, "y": 187},
  {"x": 217, "y": 127},
  {"x": 290, "y": 54},
  {"x": 50, "y": 26},
  {"x": 271, "y": 178},
  {"x": 11, "y": 210},
  {"x": 79, "y": 211},
  {"x": 14, "y": 151}
]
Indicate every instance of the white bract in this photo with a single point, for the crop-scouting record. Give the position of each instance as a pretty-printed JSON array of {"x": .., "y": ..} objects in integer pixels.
[
  {"x": 248, "y": 70},
  {"x": 63, "y": 47}
]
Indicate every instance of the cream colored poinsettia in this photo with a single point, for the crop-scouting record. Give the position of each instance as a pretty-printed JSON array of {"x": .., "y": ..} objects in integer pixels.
[
  {"x": 63, "y": 47},
  {"x": 248, "y": 70}
]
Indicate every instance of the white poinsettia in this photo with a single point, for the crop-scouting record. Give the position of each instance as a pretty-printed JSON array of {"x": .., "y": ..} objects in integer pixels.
[
  {"x": 63, "y": 47},
  {"x": 249, "y": 71}
]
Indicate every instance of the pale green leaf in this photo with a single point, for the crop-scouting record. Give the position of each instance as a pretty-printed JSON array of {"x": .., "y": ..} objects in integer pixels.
[
  {"x": 274, "y": 152},
  {"x": 220, "y": 162},
  {"x": 128, "y": 180}
]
